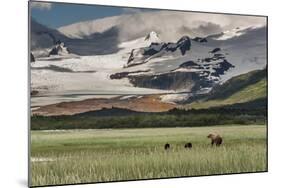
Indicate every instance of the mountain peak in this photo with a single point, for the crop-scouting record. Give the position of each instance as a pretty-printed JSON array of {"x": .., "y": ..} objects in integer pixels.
[
  {"x": 184, "y": 44},
  {"x": 59, "y": 49},
  {"x": 153, "y": 37}
]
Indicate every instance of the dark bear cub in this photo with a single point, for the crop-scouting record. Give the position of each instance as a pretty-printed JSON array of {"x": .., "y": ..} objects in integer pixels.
[
  {"x": 188, "y": 145},
  {"x": 167, "y": 146}
]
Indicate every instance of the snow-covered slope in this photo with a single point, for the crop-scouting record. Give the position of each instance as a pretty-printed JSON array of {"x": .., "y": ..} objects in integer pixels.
[
  {"x": 58, "y": 80},
  {"x": 151, "y": 37},
  {"x": 245, "y": 50}
]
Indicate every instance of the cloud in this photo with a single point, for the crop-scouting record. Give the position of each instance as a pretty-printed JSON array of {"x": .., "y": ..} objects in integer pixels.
[
  {"x": 207, "y": 28},
  {"x": 41, "y": 5},
  {"x": 173, "y": 24},
  {"x": 170, "y": 25}
]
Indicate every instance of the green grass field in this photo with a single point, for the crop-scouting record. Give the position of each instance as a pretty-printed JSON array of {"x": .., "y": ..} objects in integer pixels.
[{"x": 81, "y": 156}]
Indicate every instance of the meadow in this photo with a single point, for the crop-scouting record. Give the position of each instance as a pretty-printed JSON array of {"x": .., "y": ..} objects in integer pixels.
[{"x": 100, "y": 155}]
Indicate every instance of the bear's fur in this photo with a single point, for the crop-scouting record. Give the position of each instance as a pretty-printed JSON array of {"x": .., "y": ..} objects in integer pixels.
[
  {"x": 188, "y": 145},
  {"x": 167, "y": 146},
  {"x": 215, "y": 139}
]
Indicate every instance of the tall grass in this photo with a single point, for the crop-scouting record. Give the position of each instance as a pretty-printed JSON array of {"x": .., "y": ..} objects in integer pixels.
[{"x": 109, "y": 155}]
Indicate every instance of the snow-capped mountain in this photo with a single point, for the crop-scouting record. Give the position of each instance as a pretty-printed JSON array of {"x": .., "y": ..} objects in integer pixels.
[
  {"x": 145, "y": 64},
  {"x": 152, "y": 37},
  {"x": 44, "y": 37},
  {"x": 128, "y": 46},
  {"x": 196, "y": 65},
  {"x": 171, "y": 66},
  {"x": 43, "y": 40},
  {"x": 47, "y": 43}
]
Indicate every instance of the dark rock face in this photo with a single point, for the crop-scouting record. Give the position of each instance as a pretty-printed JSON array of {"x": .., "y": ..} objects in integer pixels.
[
  {"x": 184, "y": 44},
  {"x": 200, "y": 39},
  {"x": 222, "y": 67},
  {"x": 121, "y": 75},
  {"x": 188, "y": 64},
  {"x": 207, "y": 59},
  {"x": 218, "y": 55},
  {"x": 58, "y": 49},
  {"x": 166, "y": 81},
  {"x": 55, "y": 51},
  {"x": 139, "y": 56},
  {"x": 131, "y": 57},
  {"x": 215, "y": 57},
  {"x": 32, "y": 58},
  {"x": 34, "y": 92},
  {"x": 187, "y": 81},
  {"x": 215, "y": 50},
  {"x": 154, "y": 48}
]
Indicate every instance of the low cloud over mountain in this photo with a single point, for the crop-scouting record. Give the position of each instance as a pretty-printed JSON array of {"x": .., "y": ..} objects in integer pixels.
[{"x": 173, "y": 24}]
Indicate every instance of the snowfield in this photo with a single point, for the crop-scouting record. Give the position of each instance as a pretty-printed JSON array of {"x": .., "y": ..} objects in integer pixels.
[
  {"x": 59, "y": 78},
  {"x": 174, "y": 98}
]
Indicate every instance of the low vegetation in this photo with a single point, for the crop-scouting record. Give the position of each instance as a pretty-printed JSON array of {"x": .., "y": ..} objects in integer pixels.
[
  {"x": 83, "y": 156},
  {"x": 120, "y": 118}
]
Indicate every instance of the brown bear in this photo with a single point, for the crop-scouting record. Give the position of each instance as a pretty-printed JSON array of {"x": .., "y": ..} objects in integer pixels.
[
  {"x": 167, "y": 146},
  {"x": 216, "y": 139},
  {"x": 188, "y": 145}
]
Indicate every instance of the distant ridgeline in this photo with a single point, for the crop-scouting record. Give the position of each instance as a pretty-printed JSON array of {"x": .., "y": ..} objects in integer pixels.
[{"x": 254, "y": 112}]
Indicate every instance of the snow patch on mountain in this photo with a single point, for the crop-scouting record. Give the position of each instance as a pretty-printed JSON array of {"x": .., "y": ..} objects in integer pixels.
[
  {"x": 174, "y": 98},
  {"x": 232, "y": 33},
  {"x": 141, "y": 42}
]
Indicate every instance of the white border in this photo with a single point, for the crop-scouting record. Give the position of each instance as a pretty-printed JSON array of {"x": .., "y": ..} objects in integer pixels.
[{"x": 14, "y": 80}]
